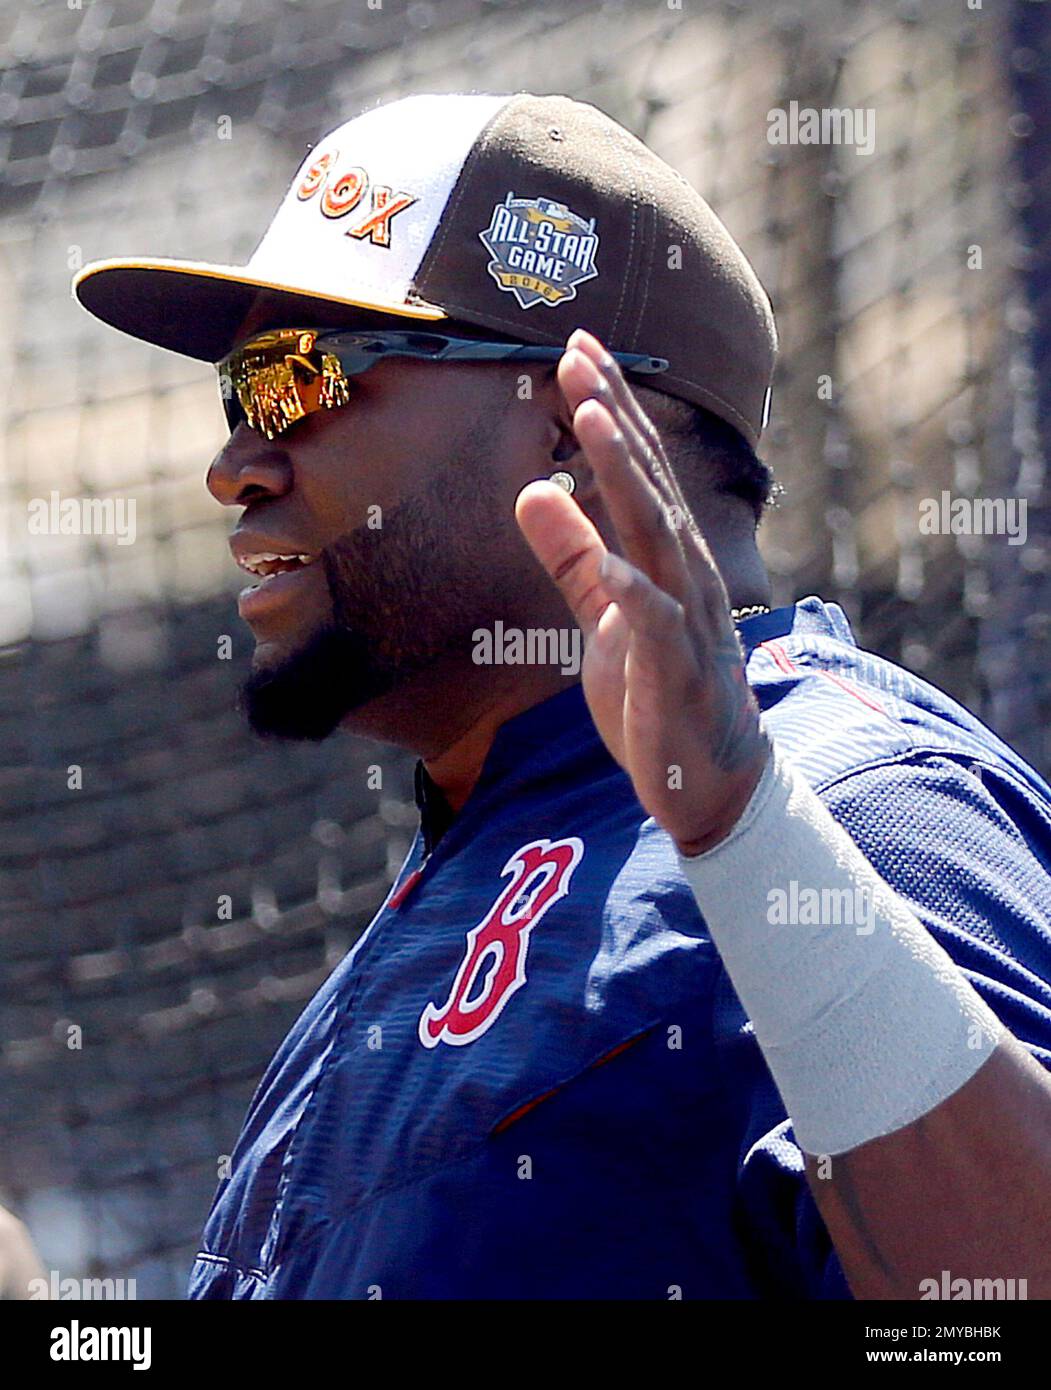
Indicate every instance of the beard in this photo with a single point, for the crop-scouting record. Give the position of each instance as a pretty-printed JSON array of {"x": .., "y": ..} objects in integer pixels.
[
  {"x": 308, "y": 694},
  {"x": 403, "y": 596}
]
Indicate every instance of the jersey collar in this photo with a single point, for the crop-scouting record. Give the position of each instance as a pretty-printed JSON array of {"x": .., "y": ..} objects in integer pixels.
[
  {"x": 810, "y": 617},
  {"x": 558, "y": 738}
]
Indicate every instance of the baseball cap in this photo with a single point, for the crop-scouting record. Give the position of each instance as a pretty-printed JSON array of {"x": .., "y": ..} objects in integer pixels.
[{"x": 525, "y": 215}]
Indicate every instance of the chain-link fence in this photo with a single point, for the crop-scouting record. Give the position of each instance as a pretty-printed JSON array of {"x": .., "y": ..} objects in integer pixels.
[{"x": 172, "y": 892}]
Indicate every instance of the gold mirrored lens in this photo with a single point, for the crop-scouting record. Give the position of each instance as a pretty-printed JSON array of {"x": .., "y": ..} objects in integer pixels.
[{"x": 281, "y": 376}]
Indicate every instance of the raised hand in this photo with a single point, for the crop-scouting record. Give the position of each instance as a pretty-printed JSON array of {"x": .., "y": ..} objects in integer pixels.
[{"x": 663, "y": 672}]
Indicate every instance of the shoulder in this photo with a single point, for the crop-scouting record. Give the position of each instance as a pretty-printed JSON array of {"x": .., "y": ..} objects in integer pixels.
[
  {"x": 835, "y": 709},
  {"x": 977, "y": 823},
  {"x": 968, "y": 846}
]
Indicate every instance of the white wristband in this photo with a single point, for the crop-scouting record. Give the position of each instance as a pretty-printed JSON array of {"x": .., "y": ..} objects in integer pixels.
[{"x": 864, "y": 1020}]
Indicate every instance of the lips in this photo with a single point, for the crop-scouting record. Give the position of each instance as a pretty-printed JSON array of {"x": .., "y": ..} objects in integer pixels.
[{"x": 279, "y": 566}]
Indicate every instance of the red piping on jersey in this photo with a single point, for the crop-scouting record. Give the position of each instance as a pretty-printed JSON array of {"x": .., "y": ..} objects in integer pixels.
[
  {"x": 402, "y": 892},
  {"x": 524, "y": 1109},
  {"x": 785, "y": 663}
]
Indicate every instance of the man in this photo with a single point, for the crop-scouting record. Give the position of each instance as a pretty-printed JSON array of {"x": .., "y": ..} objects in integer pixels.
[{"x": 641, "y": 926}]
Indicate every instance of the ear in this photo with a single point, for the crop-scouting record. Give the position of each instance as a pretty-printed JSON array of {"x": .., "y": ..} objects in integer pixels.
[
  {"x": 567, "y": 447},
  {"x": 566, "y": 455},
  {"x": 555, "y": 448}
]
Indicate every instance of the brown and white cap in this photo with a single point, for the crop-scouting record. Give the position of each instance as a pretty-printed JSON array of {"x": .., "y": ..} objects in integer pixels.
[{"x": 525, "y": 215}]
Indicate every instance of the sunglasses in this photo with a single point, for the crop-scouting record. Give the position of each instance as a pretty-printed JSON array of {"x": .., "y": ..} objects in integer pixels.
[{"x": 277, "y": 378}]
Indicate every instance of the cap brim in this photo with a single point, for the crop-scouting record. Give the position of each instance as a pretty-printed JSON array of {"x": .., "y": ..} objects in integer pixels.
[{"x": 197, "y": 309}]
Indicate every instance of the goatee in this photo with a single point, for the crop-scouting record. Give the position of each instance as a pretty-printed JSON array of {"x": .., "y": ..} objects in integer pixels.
[{"x": 308, "y": 695}]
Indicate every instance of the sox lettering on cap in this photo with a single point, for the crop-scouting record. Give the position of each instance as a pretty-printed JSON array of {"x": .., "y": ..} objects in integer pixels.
[{"x": 527, "y": 216}]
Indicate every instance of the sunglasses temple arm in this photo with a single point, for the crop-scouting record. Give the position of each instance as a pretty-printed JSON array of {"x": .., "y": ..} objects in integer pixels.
[{"x": 630, "y": 361}]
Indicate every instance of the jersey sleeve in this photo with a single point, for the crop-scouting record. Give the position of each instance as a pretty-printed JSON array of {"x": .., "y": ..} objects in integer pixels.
[{"x": 968, "y": 846}]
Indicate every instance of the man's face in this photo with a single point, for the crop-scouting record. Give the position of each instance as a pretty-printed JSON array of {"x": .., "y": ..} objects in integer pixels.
[{"x": 402, "y": 503}]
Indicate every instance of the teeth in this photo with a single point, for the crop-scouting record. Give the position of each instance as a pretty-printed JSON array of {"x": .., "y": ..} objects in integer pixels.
[{"x": 255, "y": 563}]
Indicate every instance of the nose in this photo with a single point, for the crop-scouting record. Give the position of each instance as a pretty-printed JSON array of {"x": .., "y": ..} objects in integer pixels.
[{"x": 249, "y": 468}]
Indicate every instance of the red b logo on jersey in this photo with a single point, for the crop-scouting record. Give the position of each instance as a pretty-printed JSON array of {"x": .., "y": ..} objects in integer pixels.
[{"x": 493, "y": 967}]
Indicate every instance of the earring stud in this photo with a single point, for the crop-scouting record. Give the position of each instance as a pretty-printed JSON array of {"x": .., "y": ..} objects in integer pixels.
[{"x": 566, "y": 481}]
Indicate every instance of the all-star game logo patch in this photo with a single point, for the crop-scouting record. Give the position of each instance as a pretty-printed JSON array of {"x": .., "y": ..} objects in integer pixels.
[{"x": 541, "y": 251}]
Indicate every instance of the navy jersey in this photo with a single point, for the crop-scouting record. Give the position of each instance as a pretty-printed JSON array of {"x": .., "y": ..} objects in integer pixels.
[{"x": 531, "y": 1077}]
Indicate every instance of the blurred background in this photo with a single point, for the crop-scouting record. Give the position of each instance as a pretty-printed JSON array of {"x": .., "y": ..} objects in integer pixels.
[{"x": 911, "y": 289}]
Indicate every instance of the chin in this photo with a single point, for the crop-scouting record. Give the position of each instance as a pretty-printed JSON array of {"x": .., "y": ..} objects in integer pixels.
[
  {"x": 266, "y": 656},
  {"x": 307, "y": 693}
]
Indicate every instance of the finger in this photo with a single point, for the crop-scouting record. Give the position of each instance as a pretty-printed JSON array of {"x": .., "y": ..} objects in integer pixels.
[
  {"x": 610, "y": 640},
  {"x": 632, "y": 502},
  {"x": 568, "y": 546},
  {"x": 668, "y": 660},
  {"x": 659, "y": 641},
  {"x": 629, "y": 413},
  {"x": 609, "y": 369},
  {"x": 606, "y": 651},
  {"x": 618, "y": 396},
  {"x": 581, "y": 380}
]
